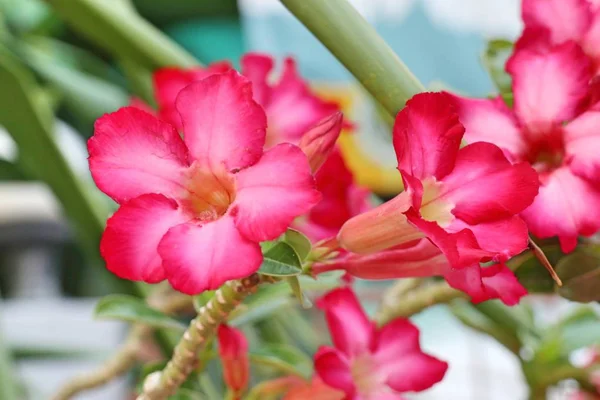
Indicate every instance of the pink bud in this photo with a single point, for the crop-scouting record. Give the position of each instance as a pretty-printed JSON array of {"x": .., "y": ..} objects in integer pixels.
[
  {"x": 318, "y": 142},
  {"x": 233, "y": 349}
]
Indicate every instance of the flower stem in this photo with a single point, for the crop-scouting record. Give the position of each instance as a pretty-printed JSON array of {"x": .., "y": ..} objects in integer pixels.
[
  {"x": 162, "y": 384},
  {"x": 410, "y": 302},
  {"x": 355, "y": 43}
]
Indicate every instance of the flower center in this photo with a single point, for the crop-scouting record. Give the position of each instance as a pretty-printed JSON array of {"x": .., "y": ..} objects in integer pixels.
[
  {"x": 433, "y": 207},
  {"x": 209, "y": 193},
  {"x": 364, "y": 374},
  {"x": 548, "y": 152}
]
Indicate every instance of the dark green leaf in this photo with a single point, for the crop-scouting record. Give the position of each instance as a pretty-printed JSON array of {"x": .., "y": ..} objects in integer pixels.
[
  {"x": 281, "y": 260},
  {"x": 286, "y": 359},
  {"x": 580, "y": 273},
  {"x": 494, "y": 60},
  {"x": 299, "y": 242},
  {"x": 132, "y": 309}
]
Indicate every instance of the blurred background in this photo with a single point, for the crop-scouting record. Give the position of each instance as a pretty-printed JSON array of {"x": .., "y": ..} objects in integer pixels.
[{"x": 51, "y": 274}]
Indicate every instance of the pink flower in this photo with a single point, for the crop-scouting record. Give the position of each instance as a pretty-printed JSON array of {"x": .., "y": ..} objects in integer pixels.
[
  {"x": 370, "y": 363},
  {"x": 168, "y": 82},
  {"x": 291, "y": 107},
  {"x": 233, "y": 350},
  {"x": 548, "y": 129},
  {"x": 464, "y": 201},
  {"x": 554, "y": 22},
  {"x": 342, "y": 199},
  {"x": 194, "y": 210},
  {"x": 421, "y": 259}
]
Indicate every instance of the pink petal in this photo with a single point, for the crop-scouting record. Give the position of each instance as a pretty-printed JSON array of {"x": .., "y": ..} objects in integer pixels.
[
  {"x": 476, "y": 200},
  {"x": 132, "y": 153},
  {"x": 505, "y": 237},
  {"x": 564, "y": 208},
  {"x": 481, "y": 284},
  {"x": 350, "y": 329},
  {"x": 548, "y": 87},
  {"x": 203, "y": 257},
  {"x": 333, "y": 368},
  {"x": 129, "y": 243},
  {"x": 318, "y": 142},
  {"x": 591, "y": 40},
  {"x": 273, "y": 192},
  {"x": 582, "y": 145},
  {"x": 221, "y": 122},
  {"x": 490, "y": 121},
  {"x": 140, "y": 104},
  {"x": 534, "y": 38},
  {"x": 256, "y": 67},
  {"x": 460, "y": 248},
  {"x": 566, "y": 19},
  {"x": 427, "y": 135},
  {"x": 341, "y": 199},
  {"x": 168, "y": 82},
  {"x": 420, "y": 260},
  {"x": 399, "y": 356},
  {"x": 233, "y": 350},
  {"x": 293, "y": 108}
]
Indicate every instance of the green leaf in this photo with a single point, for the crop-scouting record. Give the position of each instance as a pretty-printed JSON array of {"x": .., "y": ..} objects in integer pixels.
[
  {"x": 494, "y": 59},
  {"x": 249, "y": 314},
  {"x": 297, "y": 290},
  {"x": 132, "y": 309},
  {"x": 580, "y": 274},
  {"x": 281, "y": 260},
  {"x": 299, "y": 242},
  {"x": 286, "y": 359},
  {"x": 86, "y": 96},
  {"x": 115, "y": 26}
]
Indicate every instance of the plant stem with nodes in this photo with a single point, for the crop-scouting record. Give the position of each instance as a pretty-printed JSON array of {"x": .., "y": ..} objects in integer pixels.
[{"x": 162, "y": 384}]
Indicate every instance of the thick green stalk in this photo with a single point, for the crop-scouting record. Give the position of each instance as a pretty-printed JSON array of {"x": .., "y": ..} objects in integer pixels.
[
  {"x": 358, "y": 46},
  {"x": 162, "y": 384},
  {"x": 115, "y": 26}
]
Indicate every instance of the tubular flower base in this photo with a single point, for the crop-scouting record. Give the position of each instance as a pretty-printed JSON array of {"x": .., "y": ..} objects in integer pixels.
[
  {"x": 162, "y": 384},
  {"x": 233, "y": 350},
  {"x": 423, "y": 259},
  {"x": 368, "y": 362}
]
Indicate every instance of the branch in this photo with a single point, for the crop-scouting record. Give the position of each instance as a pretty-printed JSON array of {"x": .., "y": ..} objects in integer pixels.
[
  {"x": 162, "y": 384},
  {"x": 410, "y": 302},
  {"x": 127, "y": 356},
  {"x": 115, "y": 366}
]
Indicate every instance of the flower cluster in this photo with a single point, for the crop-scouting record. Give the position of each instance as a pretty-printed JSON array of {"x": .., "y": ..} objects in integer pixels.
[{"x": 553, "y": 123}]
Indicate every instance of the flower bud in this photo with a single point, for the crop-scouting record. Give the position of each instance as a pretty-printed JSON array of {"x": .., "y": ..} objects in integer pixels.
[
  {"x": 318, "y": 142},
  {"x": 233, "y": 349}
]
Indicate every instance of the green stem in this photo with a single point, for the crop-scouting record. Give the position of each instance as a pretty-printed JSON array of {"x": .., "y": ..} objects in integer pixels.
[
  {"x": 358, "y": 46},
  {"x": 115, "y": 26},
  {"x": 162, "y": 384},
  {"x": 414, "y": 301}
]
